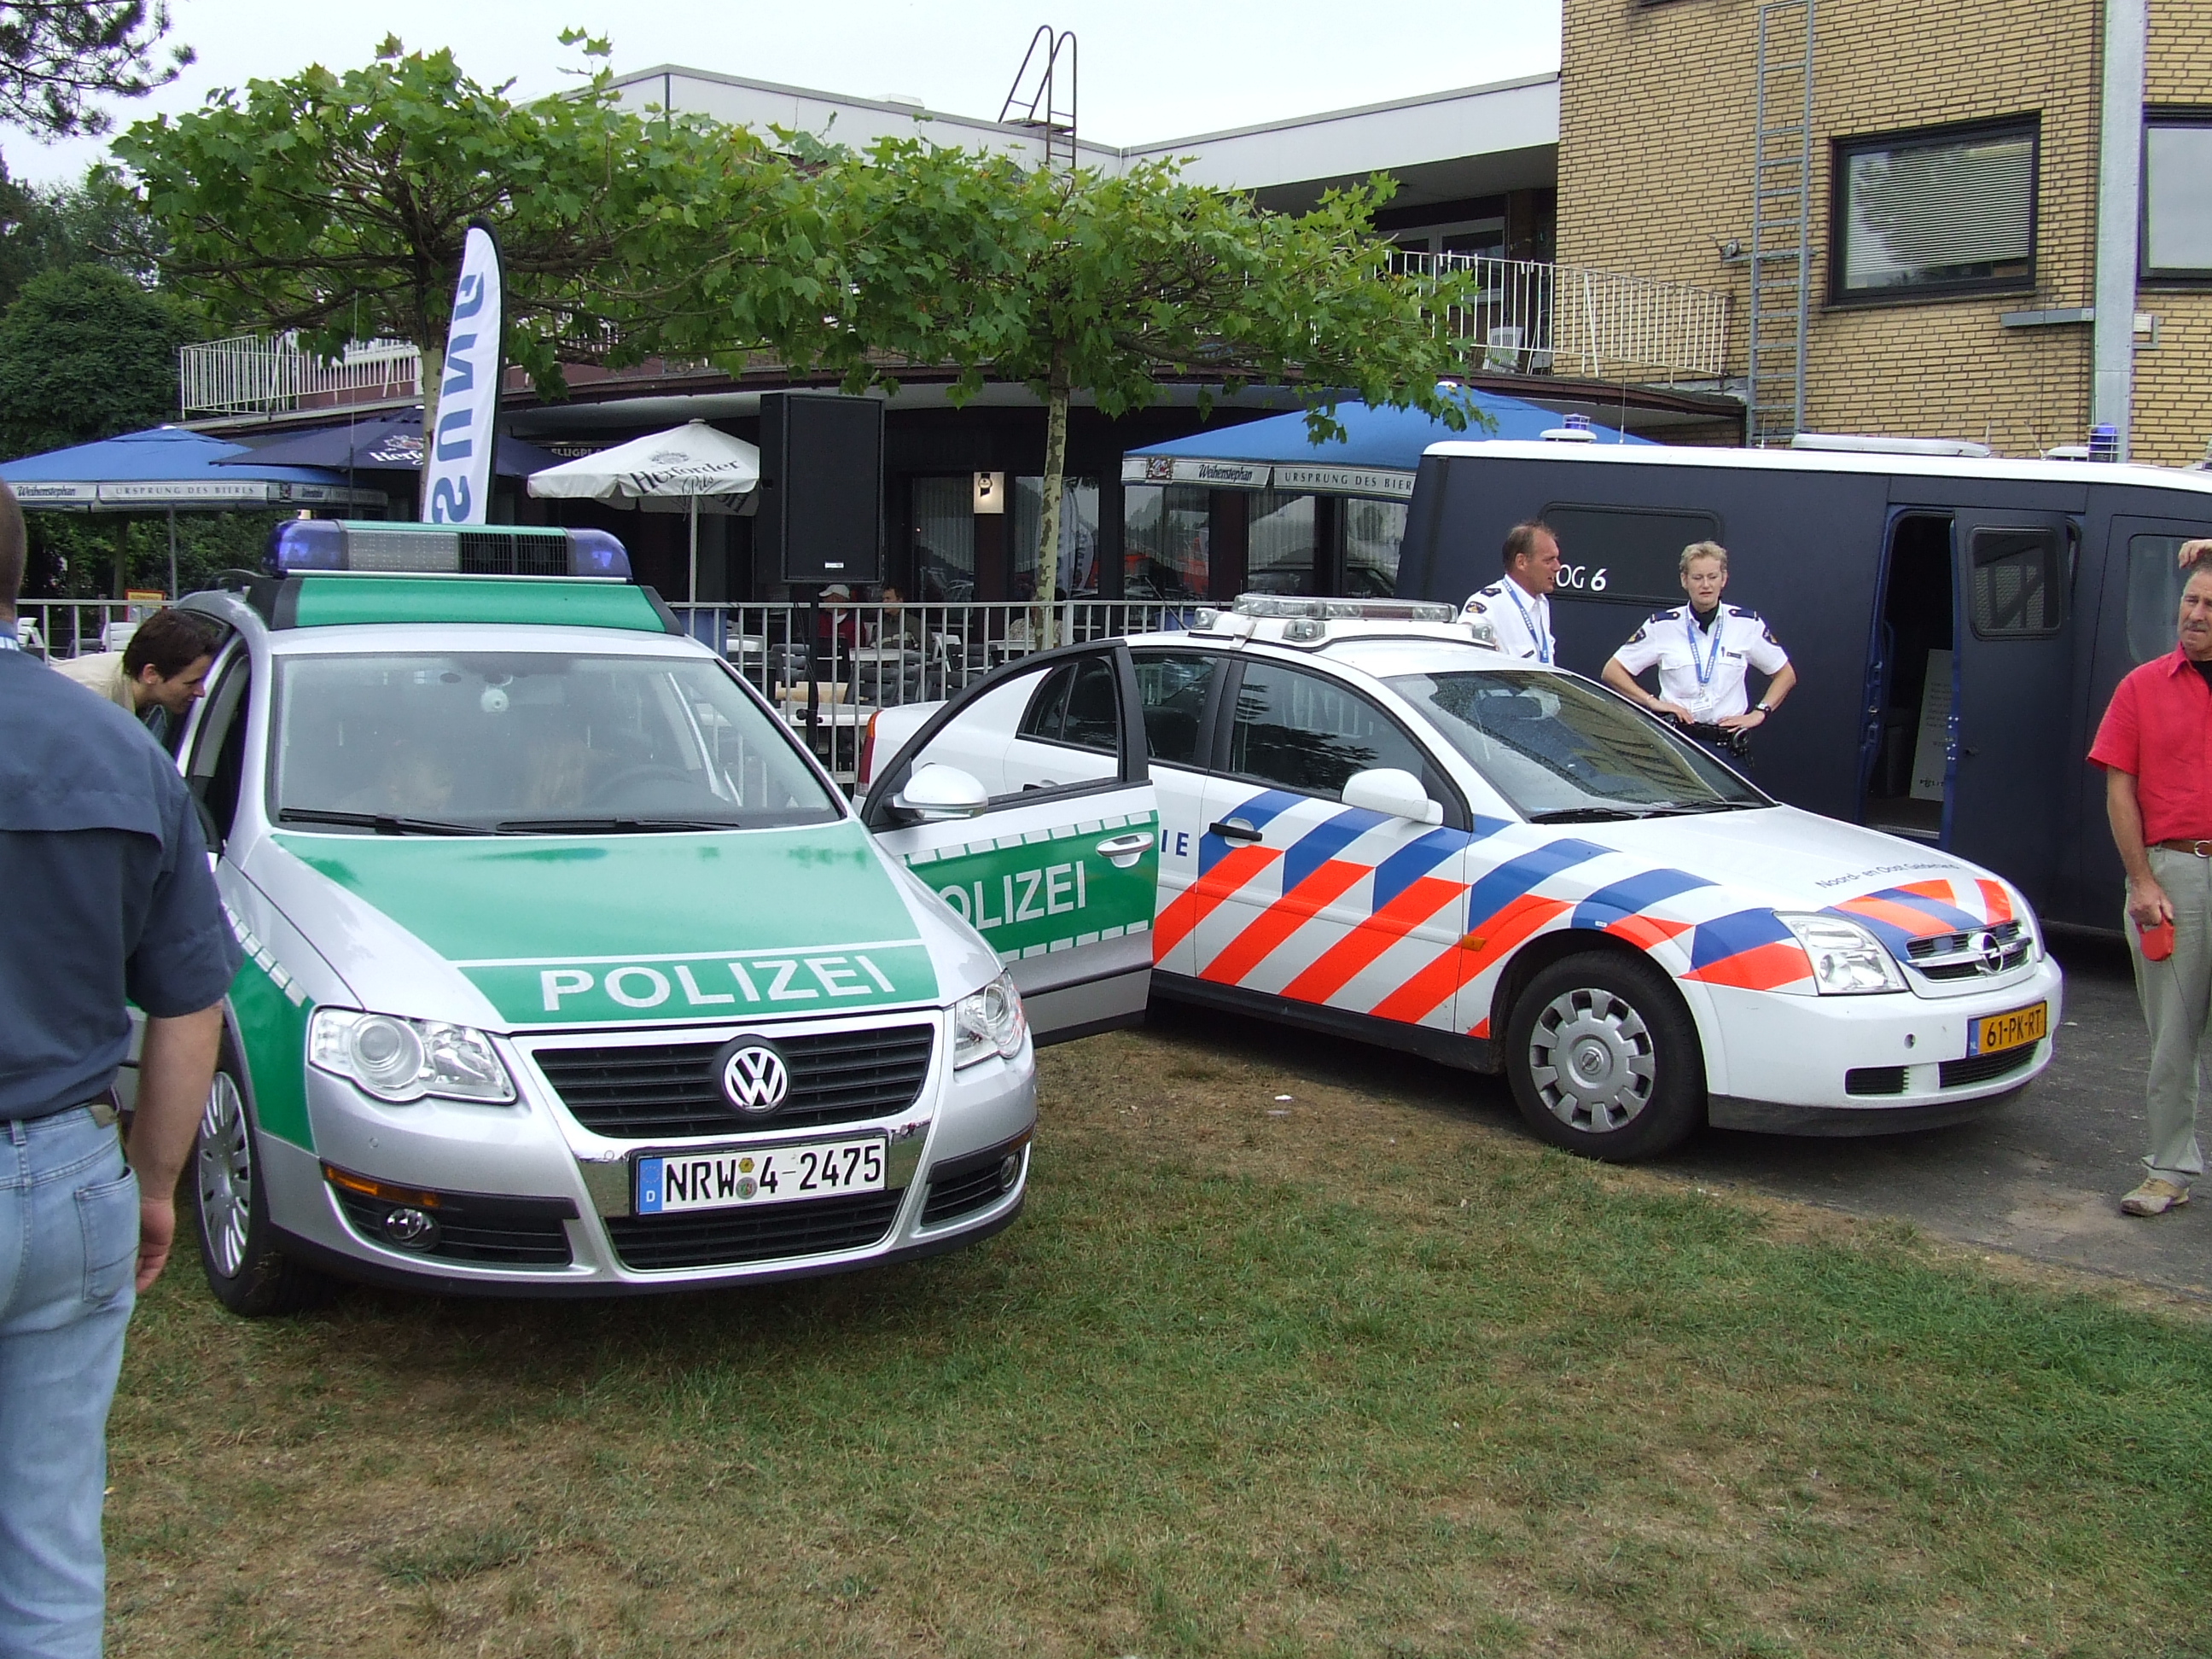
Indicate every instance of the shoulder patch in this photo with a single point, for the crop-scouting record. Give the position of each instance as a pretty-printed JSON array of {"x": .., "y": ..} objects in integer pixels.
[
  {"x": 1768, "y": 631},
  {"x": 1477, "y": 607},
  {"x": 1638, "y": 634}
]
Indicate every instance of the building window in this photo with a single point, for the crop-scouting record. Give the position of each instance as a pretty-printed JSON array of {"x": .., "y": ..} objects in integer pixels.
[
  {"x": 2177, "y": 197},
  {"x": 1374, "y": 531},
  {"x": 945, "y": 539},
  {"x": 1950, "y": 211},
  {"x": 1282, "y": 557},
  {"x": 1078, "y": 536},
  {"x": 1167, "y": 539}
]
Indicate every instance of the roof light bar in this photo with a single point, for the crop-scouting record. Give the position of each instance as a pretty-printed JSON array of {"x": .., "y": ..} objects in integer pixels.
[
  {"x": 1279, "y": 606},
  {"x": 368, "y": 547}
]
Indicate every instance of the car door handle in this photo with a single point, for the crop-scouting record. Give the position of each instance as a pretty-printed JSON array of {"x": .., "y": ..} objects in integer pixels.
[
  {"x": 1234, "y": 829},
  {"x": 1122, "y": 851}
]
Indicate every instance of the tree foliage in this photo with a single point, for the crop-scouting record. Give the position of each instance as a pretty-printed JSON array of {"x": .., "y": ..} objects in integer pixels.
[
  {"x": 86, "y": 353},
  {"x": 1116, "y": 285},
  {"x": 336, "y": 205},
  {"x": 56, "y": 227},
  {"x": 55, "y": 54}
]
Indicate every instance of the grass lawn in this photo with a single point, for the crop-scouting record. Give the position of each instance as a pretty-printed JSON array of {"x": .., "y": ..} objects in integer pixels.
[{"x": 1338, "y": 1376}]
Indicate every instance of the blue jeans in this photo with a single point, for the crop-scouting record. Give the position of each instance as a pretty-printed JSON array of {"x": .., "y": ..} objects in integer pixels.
[{"x": 69, "y": 1249}]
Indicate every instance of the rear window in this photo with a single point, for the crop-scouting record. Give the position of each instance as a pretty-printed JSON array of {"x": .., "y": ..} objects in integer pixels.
[
  {"x": 1627, "y": 553},
  {"x": 2156, "y": 579}
]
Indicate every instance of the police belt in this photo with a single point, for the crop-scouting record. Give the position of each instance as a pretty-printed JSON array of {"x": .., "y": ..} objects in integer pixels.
[{"x": 1735, "y": 739}]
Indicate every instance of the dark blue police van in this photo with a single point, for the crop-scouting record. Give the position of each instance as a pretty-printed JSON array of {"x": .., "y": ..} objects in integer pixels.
[{"x": 1957, "y": 622}]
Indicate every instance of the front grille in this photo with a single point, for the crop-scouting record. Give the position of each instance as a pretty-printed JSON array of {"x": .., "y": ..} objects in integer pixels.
[
  {"x": 716, "y": 1238},
  {"x": 1875, "y": 1080},
  {"x": 658, "y": 1091},
  {"x": 1983, "y": 1068},
  {"x": 493, "y": 1232},
  {"x": 1950, "y": 955},
  {"x": 961, "y": 1184}
]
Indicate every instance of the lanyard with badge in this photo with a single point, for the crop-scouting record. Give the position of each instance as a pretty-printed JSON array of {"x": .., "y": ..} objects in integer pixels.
[
  {"x": 1528, "y": 620},
  {"x": 1707, "y": 664}
]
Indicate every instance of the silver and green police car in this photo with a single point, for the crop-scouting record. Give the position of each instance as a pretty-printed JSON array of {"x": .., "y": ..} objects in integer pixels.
[{"x": 569, "y": 970}]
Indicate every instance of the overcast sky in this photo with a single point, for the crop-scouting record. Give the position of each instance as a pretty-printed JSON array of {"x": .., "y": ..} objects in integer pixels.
[{"x": 1151, "y": 70}]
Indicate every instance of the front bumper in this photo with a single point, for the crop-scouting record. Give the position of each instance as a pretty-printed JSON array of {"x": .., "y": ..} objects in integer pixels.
[
  {"x": 1868, "y": 1065},
  {"x": 536, "y": 1203}
]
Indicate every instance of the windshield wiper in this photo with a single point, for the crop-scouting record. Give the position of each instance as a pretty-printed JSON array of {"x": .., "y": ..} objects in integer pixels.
[
  {"x": 1678, "y": 809},
  {"x": 1585, "y": 815},
  {"x": 385, "y": 823},
  {"x": 605, "y": 825}
]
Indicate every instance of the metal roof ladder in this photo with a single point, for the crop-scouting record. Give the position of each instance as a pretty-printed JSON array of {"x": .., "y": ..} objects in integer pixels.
[{"x": 1781, "y": 236}]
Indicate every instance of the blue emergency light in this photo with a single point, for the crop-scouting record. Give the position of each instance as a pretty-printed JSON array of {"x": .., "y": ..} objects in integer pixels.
[{"x": 368, "y": 547}]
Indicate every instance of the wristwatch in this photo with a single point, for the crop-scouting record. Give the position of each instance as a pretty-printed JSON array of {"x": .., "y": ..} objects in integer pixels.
[{"x": 1763, "y": 708}]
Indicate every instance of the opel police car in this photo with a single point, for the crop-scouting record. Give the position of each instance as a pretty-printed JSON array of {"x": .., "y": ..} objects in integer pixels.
[
  {"x": 1373, "y": 823},
  {"x": 568, "y": 969}
]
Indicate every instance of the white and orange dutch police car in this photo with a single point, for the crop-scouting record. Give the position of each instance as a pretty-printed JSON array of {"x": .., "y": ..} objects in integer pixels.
[{"x": 1372, "y": 824}]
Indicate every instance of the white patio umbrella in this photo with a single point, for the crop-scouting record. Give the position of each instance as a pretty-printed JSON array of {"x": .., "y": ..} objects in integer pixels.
[{"x": 691, "y": 463}]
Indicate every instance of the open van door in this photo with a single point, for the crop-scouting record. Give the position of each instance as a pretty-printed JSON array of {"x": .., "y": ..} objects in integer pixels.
[
  {"x": 2009, "y": 763},
  {"x": 1026, "y": 804}
]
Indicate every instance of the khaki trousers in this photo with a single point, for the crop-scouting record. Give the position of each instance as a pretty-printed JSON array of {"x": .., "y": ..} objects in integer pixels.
[{"x": 2176, "y": 1005}]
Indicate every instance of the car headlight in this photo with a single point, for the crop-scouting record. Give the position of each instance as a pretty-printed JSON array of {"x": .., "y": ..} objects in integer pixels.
[
  {"x": 989, "y": 1022},
  {"x": 1847, "y": 960},
  {"x": 401, "y": 1060}
]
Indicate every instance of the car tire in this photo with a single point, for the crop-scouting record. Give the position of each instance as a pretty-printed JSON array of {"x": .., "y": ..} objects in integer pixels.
[
  {"x": 248, "y": 1272},
  {"x": 1604, "y": 1059}
]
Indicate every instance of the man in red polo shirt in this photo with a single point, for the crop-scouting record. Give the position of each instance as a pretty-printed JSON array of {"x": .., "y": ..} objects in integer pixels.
[{"x": 2155, "y": 745}]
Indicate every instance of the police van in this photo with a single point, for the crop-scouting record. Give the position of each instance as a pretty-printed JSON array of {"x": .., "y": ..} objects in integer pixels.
[
  {"x": 1957, "y": 621},
  {"x": 1373, "y": 823},
  {"x": 569, "y": 970}
]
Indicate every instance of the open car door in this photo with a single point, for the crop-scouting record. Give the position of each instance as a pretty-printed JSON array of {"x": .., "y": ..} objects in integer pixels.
[{"x": 1026, "y": 805}]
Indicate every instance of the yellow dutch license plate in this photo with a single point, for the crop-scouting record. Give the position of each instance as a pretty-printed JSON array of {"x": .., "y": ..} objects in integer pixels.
[{"x": 2011, "y": 1029}]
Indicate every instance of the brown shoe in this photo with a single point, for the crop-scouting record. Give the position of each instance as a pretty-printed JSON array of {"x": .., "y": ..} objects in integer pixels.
[{"x": 2155, "y": 1197}]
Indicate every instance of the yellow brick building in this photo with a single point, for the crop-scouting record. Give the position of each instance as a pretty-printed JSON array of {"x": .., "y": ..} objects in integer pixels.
[{"x": 1657, "y": 101}]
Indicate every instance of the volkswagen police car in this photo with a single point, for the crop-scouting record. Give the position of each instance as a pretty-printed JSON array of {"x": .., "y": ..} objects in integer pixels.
[
  {"x": 1373, "y": 823},
  {"x": 569, "y": 970}
]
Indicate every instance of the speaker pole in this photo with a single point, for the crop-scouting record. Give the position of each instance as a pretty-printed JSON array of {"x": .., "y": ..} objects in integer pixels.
[{"x": 813, "y": 668}]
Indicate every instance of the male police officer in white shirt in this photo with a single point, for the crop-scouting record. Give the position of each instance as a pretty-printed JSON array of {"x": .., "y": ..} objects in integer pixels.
[
  {"x": 1518, "y": 606},
  {"x": 1703, "y": 650}
]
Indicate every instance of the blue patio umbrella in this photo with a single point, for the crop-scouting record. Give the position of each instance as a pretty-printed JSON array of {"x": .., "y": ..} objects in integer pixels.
[
  {"x": 1378, "y": 455},
  {"x": 382, "y": 443},
  {"x": 168, "y": 468}
]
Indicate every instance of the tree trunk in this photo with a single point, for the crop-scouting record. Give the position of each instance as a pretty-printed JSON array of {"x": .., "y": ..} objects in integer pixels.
[
  {"x": 433, "y": 369},
  {"x": 1055, "y": 468}
]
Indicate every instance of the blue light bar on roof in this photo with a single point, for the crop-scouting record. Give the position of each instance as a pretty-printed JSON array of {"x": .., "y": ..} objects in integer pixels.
[{"x": 301, "y": 546}]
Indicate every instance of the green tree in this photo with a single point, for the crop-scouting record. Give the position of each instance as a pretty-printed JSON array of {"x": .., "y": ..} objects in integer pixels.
[
  {"x": 1082, "y": 281},
  {"x": 336, "y": 205},
  {"x": 53, "y": 227},
  {"x": 55, "y": 54},
  {"x": 86, "y": 353}
]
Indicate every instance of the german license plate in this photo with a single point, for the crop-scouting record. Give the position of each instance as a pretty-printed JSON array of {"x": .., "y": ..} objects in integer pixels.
[
  {"x": 1994, "y": 1032},
  {"x": 728, "y": 1179}
]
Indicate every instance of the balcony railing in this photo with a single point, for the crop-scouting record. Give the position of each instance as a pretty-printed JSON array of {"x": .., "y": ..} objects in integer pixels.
[
  {"x": 1527, "y": 317},
  {"x": 248, "y": 375}
]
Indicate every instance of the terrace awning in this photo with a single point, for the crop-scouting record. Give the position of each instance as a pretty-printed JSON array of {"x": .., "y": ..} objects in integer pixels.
[{"x": 170, "y": 468}]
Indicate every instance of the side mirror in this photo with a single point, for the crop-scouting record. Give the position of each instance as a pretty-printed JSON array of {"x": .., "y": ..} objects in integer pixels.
[
  {"x": 1393, "y": 792},
  {"x": 936, "y": 794}
]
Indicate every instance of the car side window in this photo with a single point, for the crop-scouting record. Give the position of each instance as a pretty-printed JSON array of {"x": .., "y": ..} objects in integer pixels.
[
  {"x": 1078, "y": 706},
  {"x": 1298, "y": 731},
  {"x": 1172, "y": 687},
  {"x": 218, "y": 761}
]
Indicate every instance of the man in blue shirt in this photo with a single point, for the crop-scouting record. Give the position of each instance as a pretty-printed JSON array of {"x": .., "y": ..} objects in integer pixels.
[{"x": 110, "y": 899}]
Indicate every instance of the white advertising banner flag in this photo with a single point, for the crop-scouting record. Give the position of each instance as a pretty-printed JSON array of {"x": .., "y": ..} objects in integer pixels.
[{"x": 456, "y": 470}]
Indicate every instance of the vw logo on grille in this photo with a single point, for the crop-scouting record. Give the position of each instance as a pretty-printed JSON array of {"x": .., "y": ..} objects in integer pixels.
[
  {"x": 755, "y": 1078},
  {"x": 1992, "y": 953}
]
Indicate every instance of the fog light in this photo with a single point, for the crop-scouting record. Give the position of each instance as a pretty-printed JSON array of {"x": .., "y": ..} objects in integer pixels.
[
  {"x": 411, "y": 1229},
  {"x": 1010, "y": 1169}
]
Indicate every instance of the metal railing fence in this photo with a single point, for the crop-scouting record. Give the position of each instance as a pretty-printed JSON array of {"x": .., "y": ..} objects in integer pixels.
[
  {"x": 60, "y": 629},
  {"x": 1530, "y": 317},
  {"x": 248, "y": 375}
]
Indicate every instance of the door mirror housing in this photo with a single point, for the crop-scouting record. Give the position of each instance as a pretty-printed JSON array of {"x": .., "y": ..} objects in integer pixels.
[
  {"x": 936, "y": 792},
  {"x": 1393, "y": 792}
]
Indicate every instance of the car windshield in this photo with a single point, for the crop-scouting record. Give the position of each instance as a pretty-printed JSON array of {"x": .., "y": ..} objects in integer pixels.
[
  {"x": 1560, "y": 749},
  {"x": 529, "y": 743}
]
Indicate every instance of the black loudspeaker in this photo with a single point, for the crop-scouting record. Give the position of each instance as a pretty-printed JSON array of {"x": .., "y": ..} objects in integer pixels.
[{"x": 821, "y": 516}]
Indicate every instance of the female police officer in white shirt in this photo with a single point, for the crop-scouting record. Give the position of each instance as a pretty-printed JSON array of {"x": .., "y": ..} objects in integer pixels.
[{"x": 1703, "y": 650}]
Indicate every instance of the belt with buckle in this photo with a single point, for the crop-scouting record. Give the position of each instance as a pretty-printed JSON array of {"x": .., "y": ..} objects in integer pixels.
[{"x": 2202, "y": 849}]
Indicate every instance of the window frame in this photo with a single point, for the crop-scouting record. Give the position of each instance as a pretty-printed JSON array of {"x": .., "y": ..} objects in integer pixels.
[
  {"x": 1436, "y": 777},
  {"x": 2174, "y": 276},
  {"x": 1202, "y": 750},
  {"x": 1842, "y": 151},
  {"x": 1074, "y": 670},
  {"x": 2056, "y": 583}
]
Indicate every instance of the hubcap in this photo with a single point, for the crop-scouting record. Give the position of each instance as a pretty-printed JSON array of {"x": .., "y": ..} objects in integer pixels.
[
  {"x": 1590, "y": 1056},
  {"x": 225, "y": 1175}
]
